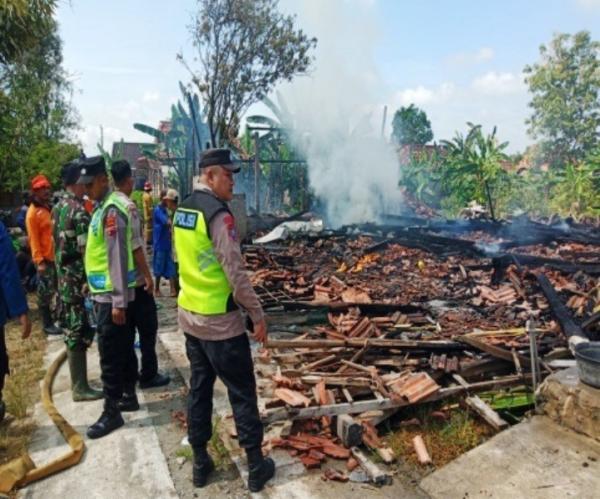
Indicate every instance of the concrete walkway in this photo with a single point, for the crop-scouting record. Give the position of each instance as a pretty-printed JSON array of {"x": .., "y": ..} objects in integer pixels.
[
  {"x": 127, "y": 464},
  {"x": 536, "y": 459}
]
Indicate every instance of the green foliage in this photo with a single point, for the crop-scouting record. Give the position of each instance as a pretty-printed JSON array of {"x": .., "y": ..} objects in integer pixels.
[
  {"x": 23, "y": 24},
  {"x": 450, "y": 178},
  {"x": 473, "y": 167},
  {"x": 47, "y": 157},
  {"x": 565, "y": 87},
  {"x": 245, "y": 47},
  {"x": 410, "y": 126},
  {"x": 35, "y": 111}
]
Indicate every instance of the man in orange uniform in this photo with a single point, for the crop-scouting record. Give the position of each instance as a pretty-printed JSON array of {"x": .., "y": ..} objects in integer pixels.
[{"x": 39, "y": 229}]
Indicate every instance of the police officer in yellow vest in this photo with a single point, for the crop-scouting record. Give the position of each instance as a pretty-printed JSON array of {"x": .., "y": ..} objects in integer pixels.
[
  {"x": 111, "y": 277},
  {"x": 214, "y": 289}
]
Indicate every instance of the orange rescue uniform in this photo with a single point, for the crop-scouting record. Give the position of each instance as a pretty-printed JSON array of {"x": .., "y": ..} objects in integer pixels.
[{"x": 39, "y": 229}]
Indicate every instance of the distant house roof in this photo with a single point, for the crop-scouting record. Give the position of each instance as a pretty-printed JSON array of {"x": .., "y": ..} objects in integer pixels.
[{"x": 130, "y": 151}]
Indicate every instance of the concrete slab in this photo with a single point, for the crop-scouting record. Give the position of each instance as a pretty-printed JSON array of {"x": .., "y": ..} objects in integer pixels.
[
  {"x": 126, "y": 464},
  {"x": 536, "y": 459}
]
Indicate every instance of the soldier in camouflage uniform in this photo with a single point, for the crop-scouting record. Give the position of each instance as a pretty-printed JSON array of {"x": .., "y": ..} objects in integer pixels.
[{"x": 71, "y": 222}]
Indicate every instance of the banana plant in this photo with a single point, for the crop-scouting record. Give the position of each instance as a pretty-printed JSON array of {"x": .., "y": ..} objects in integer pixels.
[
  {"x": 475, "y": 164},
  {"x": 180, "y": 146}
]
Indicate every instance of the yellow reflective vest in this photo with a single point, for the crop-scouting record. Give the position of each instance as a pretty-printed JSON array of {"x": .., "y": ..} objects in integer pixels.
[
  {"x": 204, "y": 288},
  {"x": 96, "y": 250}
]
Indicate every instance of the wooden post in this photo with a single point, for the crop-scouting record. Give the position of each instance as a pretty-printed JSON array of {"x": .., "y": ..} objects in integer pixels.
[
  {"x": 256, "y": 174},
  {"x": 374, "y": 472}
]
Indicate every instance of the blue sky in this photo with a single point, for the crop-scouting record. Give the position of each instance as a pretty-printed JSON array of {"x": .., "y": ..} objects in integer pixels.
[{"x": 460, "y": 60}]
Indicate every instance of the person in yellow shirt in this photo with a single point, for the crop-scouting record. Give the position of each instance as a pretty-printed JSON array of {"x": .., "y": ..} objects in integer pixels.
[
  {"x": 39, "y": 229},
  {"x": 147, "y": 203}
]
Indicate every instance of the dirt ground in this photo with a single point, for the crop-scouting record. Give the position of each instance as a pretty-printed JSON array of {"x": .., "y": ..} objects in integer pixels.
[{"x": 21, "y": 390}]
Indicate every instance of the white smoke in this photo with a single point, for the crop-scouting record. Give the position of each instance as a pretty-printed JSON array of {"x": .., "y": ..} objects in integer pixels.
[{"x": 337, "y": 116}]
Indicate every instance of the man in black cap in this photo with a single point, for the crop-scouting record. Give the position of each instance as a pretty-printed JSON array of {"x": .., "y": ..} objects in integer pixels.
[
  {"x": 143, "y": 308},
  {"x": 70, "y": 228},
  {"x": 111, "y": 276},
  {"x": 214, "y": 290}
]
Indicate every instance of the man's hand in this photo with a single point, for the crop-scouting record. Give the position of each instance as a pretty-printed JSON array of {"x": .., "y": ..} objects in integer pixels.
[
  {"x": 118, "y": 316},
  {"x": 149, "y": 285},
  {"x": 26, "y": 325},
  {"x": 260, "y": 332},
  {"x": 42, "y": 266}
]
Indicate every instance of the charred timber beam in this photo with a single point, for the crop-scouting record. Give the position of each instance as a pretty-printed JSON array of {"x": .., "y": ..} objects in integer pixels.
[
  {"x": 362, "y": 342},
  {"x": 589, "y": 322},
  {"x": 501, "y": 261},
  {"x": 357, "y": 407},
  {"x": 494, "y": 351},
  {"x": 559, "y": 310}
]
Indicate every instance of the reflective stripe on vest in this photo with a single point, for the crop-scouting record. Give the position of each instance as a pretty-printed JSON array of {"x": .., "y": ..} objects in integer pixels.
[
  {"x": 204, "y": 286},
  {"x": 96, "y": 250}
]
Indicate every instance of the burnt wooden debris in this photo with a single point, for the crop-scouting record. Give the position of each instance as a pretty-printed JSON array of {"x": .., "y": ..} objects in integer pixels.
[{"x": 370, "y": 319}]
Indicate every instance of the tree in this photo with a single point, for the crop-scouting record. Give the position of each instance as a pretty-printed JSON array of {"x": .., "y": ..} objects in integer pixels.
[
  {"x": 410, "y": 126},
  {"x": 23, "y": 23},
  {"x": 565, "y": 87},
  {"x": 245, "y": 47},
  {"x": 35, "y": 109}
]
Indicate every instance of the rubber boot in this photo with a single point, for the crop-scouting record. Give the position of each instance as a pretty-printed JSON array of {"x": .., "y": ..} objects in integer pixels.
[
  {"x": 109, "y": 420},
  {"x": 47, "y": 322},
  {"x": 129, "y": 401},
  {"x": 203, "y": 465},
  {"x": 80, "y": 389},
  {"x": 260, "y": 469}
]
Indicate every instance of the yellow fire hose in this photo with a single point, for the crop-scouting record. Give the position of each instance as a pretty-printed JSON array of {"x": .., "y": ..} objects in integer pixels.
[{"x": 22, "y": 471}]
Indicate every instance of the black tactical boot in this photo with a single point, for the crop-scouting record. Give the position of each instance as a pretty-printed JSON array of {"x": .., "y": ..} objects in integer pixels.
[
  {"x": 129, "y": 401},
  {"x": 203, "y": 465},
  {"x": 48, "y": 323},
  {"x": 80, "y": 388},
  {"x": 260, "y": 469},
  {"x": 2, "y": 408},
  {"x": 110, "y": 420},
  {"x": 159, "y": 379}
]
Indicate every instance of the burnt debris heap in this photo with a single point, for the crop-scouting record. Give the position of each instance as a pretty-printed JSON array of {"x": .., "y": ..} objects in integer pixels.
[{"x": 370, "y": 319}]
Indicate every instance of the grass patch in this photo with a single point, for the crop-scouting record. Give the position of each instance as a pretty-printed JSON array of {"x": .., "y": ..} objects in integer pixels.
[
  {"x": 186, "y": 452},
  {"x": 445, "y": 440},
  {"x": 21, "y": 390},
  {"x": 216, "y": 449}
]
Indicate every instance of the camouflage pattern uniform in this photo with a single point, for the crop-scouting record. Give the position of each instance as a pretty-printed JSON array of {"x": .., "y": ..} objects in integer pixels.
[
  {"x": 71, "y": 222},
  {"x": 47, "y": 288}
]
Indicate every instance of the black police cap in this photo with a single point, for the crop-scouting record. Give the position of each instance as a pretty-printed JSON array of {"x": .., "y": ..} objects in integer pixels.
[
  {"x": 217, "y": 157},
  {"x": 90, "y": 168}
]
